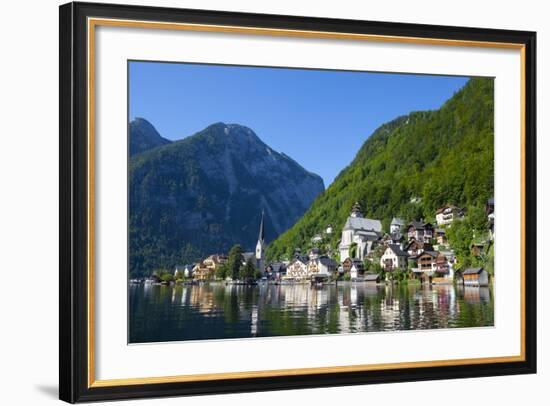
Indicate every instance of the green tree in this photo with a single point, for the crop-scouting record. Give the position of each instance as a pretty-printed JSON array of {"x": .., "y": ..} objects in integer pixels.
[
  {"x": 222, "y": 271},
  {"x": 235, "y": 261},
  {"x": 167, "y": 277},
  {"x": 248, "y": 271}
]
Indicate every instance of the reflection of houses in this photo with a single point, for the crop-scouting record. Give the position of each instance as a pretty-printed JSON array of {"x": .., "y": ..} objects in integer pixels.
[
  {"x": 476, "y": 294},
  {"x": 447, "y": 214},
  {"x": 420, "y": 231},
  {"x": 372, "y": 278},
  {"x": 358, "y": 234},
  {"x": 206, "y": 269},
  {"x": 475, "y": 277},
  {"x": 297, "y": 269},
  {"x": 393, "y": 258},
  {"x": 415, "y": 248}
]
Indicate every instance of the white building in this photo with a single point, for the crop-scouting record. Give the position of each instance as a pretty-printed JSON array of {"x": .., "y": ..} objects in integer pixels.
[
  {"x": 185, "y": 270},
  {"x": 360, "y": 232},
  {"x": 297, "y": 269},
  {"x": 447, "y": 214},
  {"x": 393, "y": 258}
]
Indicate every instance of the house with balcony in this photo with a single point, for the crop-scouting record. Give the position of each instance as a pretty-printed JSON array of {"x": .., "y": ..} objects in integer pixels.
[
  {"x": 447, "y": 214},
  {"x": 420, "y": 231}
]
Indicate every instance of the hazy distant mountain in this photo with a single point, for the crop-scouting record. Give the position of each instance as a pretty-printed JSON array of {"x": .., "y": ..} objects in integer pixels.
[
  {"x": 205, "y": 193},
  {"x": 143, "y": 136}
]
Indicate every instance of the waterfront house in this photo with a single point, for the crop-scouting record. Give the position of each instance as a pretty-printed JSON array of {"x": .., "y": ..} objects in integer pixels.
[
  {"x": 415, "y": 247},
  {"x": 393, "y": 258},
  {"x": 202, "y": 272},
  {"x": 185, "y": 270},
  {"x": 357, "y": 269},
  {"x": 396, "y": 225},
  {"x": 420, "y": 231},
  {"x": 447, "y": 214},
  {"x": 358, "y": 234},
  {"x": 321, "y": 267},
  {"x": 346, "y": 265},
  {"x": 444, "y": 267},
  {"x": 206, "y": 269},
  {"x": 276, "y": 270},
  {"x": 297, "y": 269},
  {"x": 427, "y": 261},
  {"x": 475, "y": 277}
]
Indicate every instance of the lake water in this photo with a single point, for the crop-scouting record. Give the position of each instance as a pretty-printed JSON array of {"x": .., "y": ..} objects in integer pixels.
[{"x": 215, "y": 311}]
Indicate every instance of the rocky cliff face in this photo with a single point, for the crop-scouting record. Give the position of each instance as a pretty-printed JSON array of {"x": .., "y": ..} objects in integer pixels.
[{"x": 205, "y": 193}]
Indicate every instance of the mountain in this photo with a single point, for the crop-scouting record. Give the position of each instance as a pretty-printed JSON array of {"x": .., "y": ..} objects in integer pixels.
[
  {"x": 409, "y": 167},
  {"x": 205, "y": 193},
  {"x": 143, "y": 136}
]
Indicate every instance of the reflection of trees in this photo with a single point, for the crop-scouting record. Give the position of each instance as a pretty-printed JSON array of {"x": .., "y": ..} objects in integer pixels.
[{"x": 164, "y": 313}]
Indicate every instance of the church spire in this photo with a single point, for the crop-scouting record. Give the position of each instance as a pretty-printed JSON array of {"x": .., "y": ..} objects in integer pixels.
[
  {"x": 261, "y": 236},
  {"x": 260, "y": 254}
]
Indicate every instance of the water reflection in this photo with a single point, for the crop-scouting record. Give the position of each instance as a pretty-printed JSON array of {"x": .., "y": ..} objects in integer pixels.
[{"x": 165, "y": 313}]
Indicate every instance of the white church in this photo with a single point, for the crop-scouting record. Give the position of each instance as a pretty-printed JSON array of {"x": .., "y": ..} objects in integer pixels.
[
  {"x": 360, "y": 231},
  {"x": 260, "y": 247}
]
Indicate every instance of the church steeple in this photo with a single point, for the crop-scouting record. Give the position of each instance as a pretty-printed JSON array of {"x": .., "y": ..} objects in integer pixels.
[
  {"x": 356, "y": 210},
  {"x": 261, "y": 236},
  {"x": 260, "y": 246}
]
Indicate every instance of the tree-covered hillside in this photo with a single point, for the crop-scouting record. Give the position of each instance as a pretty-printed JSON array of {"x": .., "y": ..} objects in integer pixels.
[{"x": 409, "y": 167}]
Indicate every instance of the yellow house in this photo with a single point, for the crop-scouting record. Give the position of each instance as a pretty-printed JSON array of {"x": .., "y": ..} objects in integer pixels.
[{"x": 206, "y": 269}]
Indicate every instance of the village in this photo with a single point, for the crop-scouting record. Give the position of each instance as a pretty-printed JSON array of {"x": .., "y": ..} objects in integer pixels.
[{"x": 414, "y": 252}]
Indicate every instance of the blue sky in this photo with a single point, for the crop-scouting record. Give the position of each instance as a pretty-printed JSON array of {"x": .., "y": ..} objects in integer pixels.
[{"x": 319, "y": 118}]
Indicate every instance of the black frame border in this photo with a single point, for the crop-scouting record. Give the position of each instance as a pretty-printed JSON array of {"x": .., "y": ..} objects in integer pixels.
[{"x": 73, "y": 202}]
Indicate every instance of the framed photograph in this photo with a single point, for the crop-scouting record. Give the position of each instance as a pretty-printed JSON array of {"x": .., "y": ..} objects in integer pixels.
[{"x": 256, "y": 202}]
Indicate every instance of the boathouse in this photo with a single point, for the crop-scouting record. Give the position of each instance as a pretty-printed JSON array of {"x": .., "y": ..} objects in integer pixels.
[{"x": 475, "y": 277}]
